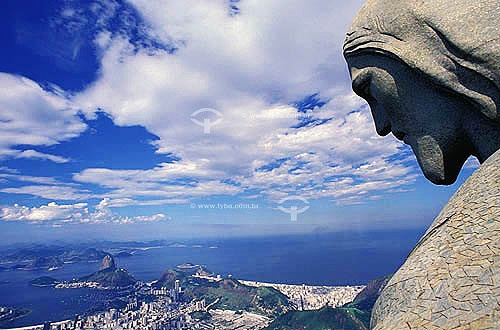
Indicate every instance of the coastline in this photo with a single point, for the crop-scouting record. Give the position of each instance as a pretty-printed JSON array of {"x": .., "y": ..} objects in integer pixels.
[
  {"x": 305, "y": 297},
  {"x": 36, "y": 325},
  {"x": 27, "y": 312}
]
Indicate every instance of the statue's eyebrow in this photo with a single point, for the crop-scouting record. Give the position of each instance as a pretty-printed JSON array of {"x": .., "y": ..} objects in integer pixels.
[
  {"x": 351, "y": 50},
  {"x": 351, "y": 40},
  {"x": 391, "y": 35}
]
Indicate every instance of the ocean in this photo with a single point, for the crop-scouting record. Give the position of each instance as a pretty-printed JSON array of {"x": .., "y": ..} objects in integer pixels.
[{"x": 349, "y": 258}]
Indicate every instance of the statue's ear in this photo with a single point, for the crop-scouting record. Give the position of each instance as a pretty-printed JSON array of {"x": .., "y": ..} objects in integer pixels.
[
  {"x": 474, "y": 89},
  {"x": 483, "y": 104},
  {"x": 479, "y": 91}
]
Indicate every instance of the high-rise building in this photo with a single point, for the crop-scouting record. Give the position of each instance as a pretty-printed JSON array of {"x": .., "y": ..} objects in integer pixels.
[
  {"x": 113, "y": 313},
  {"x": 77, "y": 319}
]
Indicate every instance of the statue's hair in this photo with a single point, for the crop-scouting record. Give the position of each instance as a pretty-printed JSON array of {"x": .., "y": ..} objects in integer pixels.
[{"x": 454, "y": 43}]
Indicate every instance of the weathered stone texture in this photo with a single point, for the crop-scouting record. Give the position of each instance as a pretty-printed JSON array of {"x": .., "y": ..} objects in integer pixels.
[{"x": 451, "y": 279}]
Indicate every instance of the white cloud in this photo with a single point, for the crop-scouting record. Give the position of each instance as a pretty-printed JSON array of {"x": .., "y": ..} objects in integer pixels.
[
  {"x": 51, "y": 192},
  {"x": 122, "y": 202},
  {"x": 28, "y": 178},
  {"x": 33, "y": 116},
  {"x": 350, "y": 162},
  {"x": 78, "y": 213},
  {"x": 8, "y": 170},
  {"x": 142, "y": 219},
  {"x": 49, "y": 212},
  {"x": 33, "y": 154},
  {"x": 250, "y": 67},
  {"x": 170, "y": 182}
]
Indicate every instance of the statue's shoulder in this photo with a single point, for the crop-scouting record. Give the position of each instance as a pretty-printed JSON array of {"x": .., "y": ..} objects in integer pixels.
[
  {"x": 481, "y": 188},
  {"x": 452, "y": 276}
]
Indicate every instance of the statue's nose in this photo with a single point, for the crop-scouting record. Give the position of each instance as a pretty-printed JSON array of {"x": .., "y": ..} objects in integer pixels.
[{"x": 382, "y": 122}]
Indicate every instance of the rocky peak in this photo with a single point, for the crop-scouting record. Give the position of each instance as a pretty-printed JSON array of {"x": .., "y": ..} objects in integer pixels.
[{"x": 108, "y": 263}]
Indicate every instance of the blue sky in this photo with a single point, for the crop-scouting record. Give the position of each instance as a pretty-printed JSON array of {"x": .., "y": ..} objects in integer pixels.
[{"x": 96, "y": 132}]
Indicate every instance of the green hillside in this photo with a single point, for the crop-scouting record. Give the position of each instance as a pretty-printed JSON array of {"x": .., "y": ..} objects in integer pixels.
[
  {"x": 326, "y": 318},
  {"x": 235, "y": 296},
  {"x": 168, "y": 278},
  {"x": 229, "y": 293}
]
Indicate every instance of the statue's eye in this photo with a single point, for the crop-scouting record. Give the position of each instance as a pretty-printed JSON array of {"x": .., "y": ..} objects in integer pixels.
[{"x": 361, "y": 85}]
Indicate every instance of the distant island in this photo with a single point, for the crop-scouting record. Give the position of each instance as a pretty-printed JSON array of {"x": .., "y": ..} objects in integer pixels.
[
  {"x": 44, "y": 281},
  {"x": 187, "y": 266},
  {"x": 177, "y": 245}
]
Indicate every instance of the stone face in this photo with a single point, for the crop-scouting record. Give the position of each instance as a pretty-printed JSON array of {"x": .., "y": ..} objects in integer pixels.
[
  {"x": 446, "y": 281},
  {"x": 430, "y": 71}
]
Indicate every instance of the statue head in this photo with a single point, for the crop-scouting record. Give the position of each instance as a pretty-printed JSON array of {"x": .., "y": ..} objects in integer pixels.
[{"x": 430, "y": 72}]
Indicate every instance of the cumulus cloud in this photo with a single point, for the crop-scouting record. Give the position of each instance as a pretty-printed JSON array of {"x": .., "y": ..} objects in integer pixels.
[
  {"x": 42, "y": 186},
  {"x": 51, "y": 192},
  {"x": 79, "y": 213},
  {"x": 31, "y": 115},
  {"x": 171, "y": 182},
  {"x": 49, "y": 212},
  {"x": 8, "y": 170},
  {"x": 122, "y": 202},
  {"x": 28, "y": 178},
  {"x": 249, "y": 66},
  {"x": 343, "y": 159},
  {"x": 33, "y": 154}
]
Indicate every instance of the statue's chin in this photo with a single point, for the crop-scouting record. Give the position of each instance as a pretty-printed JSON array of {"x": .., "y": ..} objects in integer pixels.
[{"x": 431, "y": 159}]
